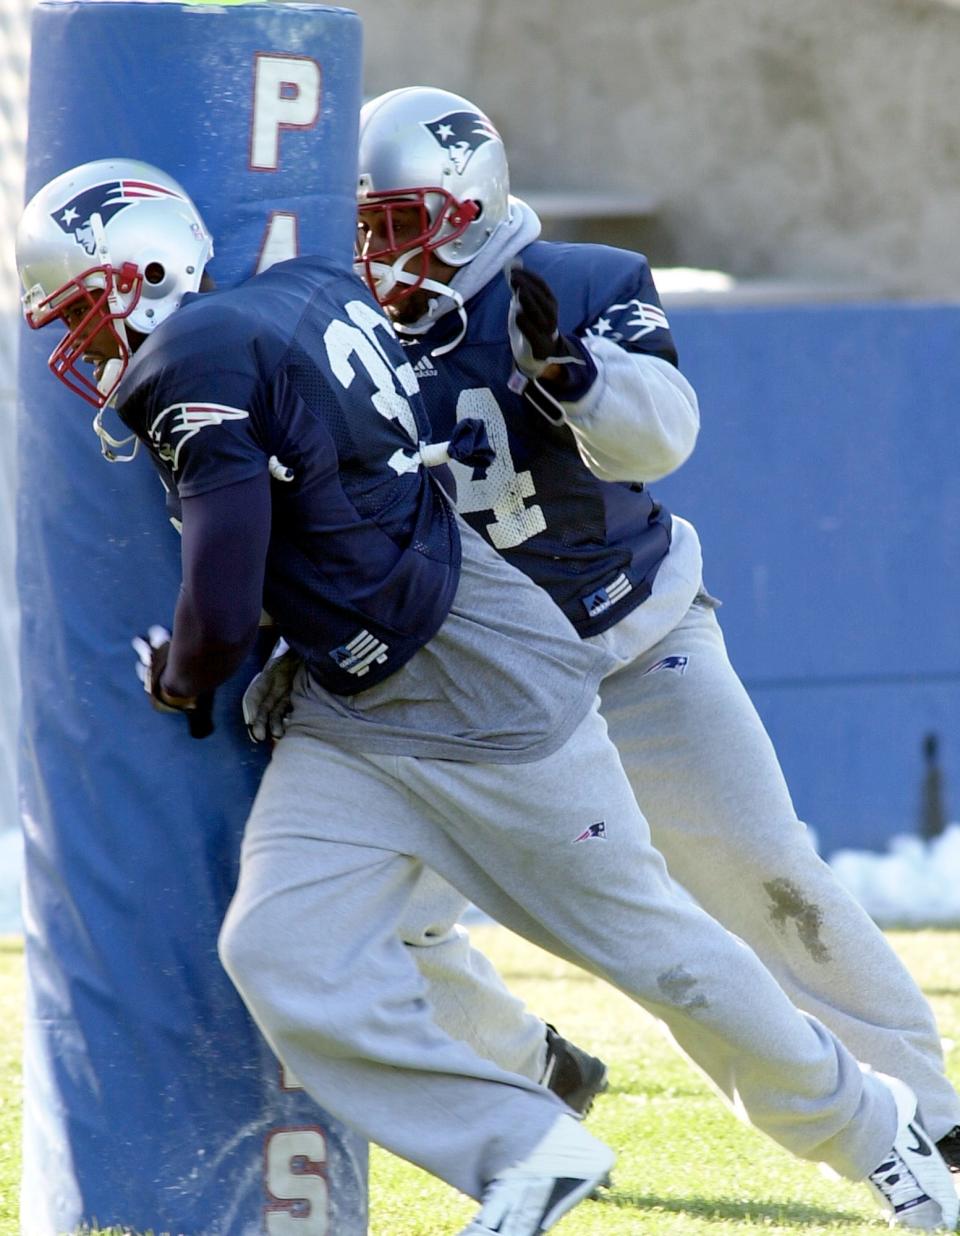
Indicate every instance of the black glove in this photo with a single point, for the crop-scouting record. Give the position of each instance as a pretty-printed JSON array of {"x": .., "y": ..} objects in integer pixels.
[
  {"x": 535, "y": 338},
  {"x": 152, "y": 651},
  {"x": 536, "y": 342},
  {"x": 534, "y": 321}
]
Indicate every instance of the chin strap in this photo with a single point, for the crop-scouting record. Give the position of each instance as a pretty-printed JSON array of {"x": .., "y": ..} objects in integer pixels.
[
  {"x": 388, "y": 277},
  {"x": 113, "y": 369},
  {"x": 110, "y": 447},
  {"x": 430, "y": 317}
]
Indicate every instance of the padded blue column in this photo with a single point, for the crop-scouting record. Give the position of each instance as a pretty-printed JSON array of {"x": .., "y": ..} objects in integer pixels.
[{"x": 151, "y": 1101}]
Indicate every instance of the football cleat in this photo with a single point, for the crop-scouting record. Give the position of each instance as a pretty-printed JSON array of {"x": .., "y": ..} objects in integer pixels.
[
  {"x": 913, "y": 1184},
  {"x": 563, "y": 1168},
  {"x": 572, "y": 1074},
  {"x": 949, "y": 1147}
]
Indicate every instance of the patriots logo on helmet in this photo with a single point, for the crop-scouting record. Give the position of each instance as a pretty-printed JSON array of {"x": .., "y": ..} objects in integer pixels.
[
  {"x": 461, "y": 134},
  {"x": 106, "y": 200}
]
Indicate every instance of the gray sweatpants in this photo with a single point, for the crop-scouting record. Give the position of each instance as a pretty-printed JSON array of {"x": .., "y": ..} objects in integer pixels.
[
  {"x": 709, "y": 783},
  {"x": 558, "y": 851}
]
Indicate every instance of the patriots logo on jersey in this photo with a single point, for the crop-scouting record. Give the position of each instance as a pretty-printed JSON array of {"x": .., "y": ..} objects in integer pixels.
[
  {"x": 104, "y": 200},
  {"x": 461, "y": 134},
  {"x": 187, "y": 421},
  {"x": 596, "y": 832},
  {"x": 636, "y": 319}
]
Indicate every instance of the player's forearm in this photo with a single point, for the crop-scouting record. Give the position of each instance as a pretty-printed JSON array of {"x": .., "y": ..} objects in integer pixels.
[
  {"x": 205, "y": 651},
  {"x": 640, "y": 419},
  {"x": 224, "y": 543}
]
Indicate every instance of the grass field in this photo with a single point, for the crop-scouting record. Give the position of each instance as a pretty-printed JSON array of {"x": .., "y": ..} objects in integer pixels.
[
  {"x": 685, "y": 1165},
  {"x": 11, "y": 1021}
]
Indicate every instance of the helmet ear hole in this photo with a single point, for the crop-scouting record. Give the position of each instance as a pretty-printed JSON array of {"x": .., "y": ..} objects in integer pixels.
[{"x": 154, "y": 273}]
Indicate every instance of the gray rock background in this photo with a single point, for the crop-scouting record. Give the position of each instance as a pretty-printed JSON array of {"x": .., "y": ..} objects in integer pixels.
[{"x": 807, "y": 140}]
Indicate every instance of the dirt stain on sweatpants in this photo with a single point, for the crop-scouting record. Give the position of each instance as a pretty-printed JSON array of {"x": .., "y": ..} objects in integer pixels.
[
  {"x": 787, "y": 902},
  {"x": 678, "y": 986}
]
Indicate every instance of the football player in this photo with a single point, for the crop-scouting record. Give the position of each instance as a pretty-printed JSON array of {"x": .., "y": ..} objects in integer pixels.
[
  {"x": 445, "y": 713},
  {"x": 565, "y": 352}
]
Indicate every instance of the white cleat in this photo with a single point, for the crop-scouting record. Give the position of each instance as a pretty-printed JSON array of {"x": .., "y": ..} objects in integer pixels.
[
  {"x": 913, "y": 1184},
  {"x": 565, "y": 1166}
]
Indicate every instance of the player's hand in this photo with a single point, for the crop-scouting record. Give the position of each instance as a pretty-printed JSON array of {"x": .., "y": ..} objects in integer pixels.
[
  {"x": 152, "y": 651},
  {"x": 535, "y": 339},
  {"x": 266, "y": 701}
]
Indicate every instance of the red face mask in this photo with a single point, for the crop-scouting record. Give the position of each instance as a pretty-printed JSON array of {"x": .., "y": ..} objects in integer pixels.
[
  {"x": 88, "y": 313},
  {"x": 394, "y": 222}
]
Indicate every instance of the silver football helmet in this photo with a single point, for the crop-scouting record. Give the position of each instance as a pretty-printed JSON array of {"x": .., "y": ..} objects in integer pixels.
[
  {"x": 425, "y": 149},
  {"x": 105, "y": 246}
]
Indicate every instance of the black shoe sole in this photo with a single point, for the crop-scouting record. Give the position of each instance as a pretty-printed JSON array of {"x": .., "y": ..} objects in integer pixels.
[{"x": 594, "y": 1083}]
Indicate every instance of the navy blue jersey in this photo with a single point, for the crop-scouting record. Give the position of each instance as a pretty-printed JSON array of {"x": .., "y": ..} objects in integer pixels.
[
  {"x": 594, "y": 545},
  {"x": 297, "y": 374}
]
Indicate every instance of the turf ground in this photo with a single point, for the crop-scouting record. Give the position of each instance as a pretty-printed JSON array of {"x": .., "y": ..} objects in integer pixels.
[{"x": 685, "y": 1165}]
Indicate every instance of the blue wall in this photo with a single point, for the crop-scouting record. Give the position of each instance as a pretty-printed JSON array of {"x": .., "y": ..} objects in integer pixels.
[{"x": 826, "y": 490}]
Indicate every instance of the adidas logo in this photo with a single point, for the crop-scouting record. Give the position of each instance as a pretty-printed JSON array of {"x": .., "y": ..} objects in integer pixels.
[
  {"x": 601, "y": 599},
  {"x": 425, "y": 368}
]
